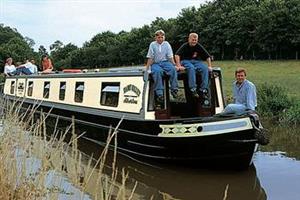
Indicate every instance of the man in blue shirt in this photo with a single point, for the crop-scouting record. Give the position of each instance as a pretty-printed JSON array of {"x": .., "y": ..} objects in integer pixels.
[
  {"x": 160, "y": 58},
  {"x": 244, "y": 94}
]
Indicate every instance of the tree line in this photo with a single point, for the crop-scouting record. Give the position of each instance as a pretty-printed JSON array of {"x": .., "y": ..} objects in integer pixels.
[{"x": 229, "y": 29}]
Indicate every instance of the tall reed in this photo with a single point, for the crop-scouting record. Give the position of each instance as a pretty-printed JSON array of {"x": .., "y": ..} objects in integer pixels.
[{"x": 34, "y": 165}]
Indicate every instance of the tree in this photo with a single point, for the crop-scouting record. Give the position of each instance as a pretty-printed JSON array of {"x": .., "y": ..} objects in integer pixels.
[
  {"x": 61, "y": 55},
  {"x": 56, "y": 45},
  {"x": 7, "y": 33},
  {"x": 30, "y": 42},
  {"x": 42, "y": 50},
  {"x": 18, "y": 49}
]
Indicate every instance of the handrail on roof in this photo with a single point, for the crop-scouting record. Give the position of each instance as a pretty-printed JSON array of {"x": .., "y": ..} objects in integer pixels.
[{"x": 128, "y": 69}]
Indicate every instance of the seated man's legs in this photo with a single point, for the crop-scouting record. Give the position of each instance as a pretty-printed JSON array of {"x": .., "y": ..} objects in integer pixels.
[
  {"x": 170, "y": 69},
  {"x": 234, "y": 109},
  {"x": 203, "y": 69},
  {"x": 22, "y": 70},
  {"x": 190, "y": 70},
  {"x": 157, "y": 73}
]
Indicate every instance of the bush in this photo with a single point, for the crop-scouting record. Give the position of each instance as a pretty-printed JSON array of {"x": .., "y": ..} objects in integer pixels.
[
  {"x": 292, "y": 115},
  {"x": 272, "y": 100}
]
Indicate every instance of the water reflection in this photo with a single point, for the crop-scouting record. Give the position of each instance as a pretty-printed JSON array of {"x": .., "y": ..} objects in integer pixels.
[
  {"x": 276, "y": 174},
  {"x": 277, "y": 163},
  {"x": 185, "y": 183},
  {"x": 279, "y": 175}
]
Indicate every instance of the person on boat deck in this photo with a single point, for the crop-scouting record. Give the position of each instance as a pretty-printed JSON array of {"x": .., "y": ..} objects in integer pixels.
[
  {"x": 190, "y": 55},
  {"x": 46, "y": 64},
  {"x": 244, "y": 94},
  {"x": 28, "y": 68},
  {"x": 9, "y": 68},
  {"x": 160, "y": 60}
]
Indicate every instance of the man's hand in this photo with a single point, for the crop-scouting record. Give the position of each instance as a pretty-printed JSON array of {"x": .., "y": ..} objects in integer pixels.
[
  {"x": 148, "y": 69},
  {"x": 179, "y": 68}
]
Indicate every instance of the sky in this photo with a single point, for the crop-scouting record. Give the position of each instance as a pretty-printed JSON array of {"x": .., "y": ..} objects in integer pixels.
[{"x": 77, "y": 21}]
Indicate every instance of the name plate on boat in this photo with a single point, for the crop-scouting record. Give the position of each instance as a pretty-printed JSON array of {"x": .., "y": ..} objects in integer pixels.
[{"x": 131, "y": 94}]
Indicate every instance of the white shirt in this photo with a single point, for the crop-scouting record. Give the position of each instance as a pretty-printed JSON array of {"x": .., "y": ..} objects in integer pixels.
[
  {"x": 160, "y": 52},
  {"x": 9, "y": 69},
  {"x": 31, "y": 67}
]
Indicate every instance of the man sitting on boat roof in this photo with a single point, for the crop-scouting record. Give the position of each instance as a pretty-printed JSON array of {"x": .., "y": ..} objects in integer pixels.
[
  {"x": 160, "y": 58},
  {"x": 190, "y": 55},
  {"x": 28, "y": 68}
]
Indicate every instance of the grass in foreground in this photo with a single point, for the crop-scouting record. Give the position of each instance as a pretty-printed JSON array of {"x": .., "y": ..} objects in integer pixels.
[{"x": 33, "y": 166}]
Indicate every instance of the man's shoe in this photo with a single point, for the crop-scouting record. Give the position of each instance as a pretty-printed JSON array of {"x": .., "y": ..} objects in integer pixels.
[
  {"x": 204, "y": 93},
  {"x": 206, "y": 98},
  {"x": 160, "y": 99},
  {"x": 174, "y": 93},
  {"x": 195, "y": 94}
]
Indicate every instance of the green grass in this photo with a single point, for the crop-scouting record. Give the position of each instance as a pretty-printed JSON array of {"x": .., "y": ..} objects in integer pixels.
[{"x": 283, "y": 73}]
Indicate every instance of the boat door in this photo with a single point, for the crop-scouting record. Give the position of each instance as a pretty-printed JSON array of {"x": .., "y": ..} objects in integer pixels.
[{"x": 186, "y": 105}]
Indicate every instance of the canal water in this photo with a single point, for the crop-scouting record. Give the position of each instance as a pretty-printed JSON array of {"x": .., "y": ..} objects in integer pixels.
[{"x": 274, "y": 175}]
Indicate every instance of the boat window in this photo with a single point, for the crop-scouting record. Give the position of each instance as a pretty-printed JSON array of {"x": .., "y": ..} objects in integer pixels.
[
  {"x": 30, "y": 88},
  {"x": 62, "y": 90},
  {"x": 46, "y": 89},
  {"x": 12, "y": 87},
  {"x": 111, "y": 89},
  {"x": 79, "y": 89},
  {"x": 110, "y": 94}
]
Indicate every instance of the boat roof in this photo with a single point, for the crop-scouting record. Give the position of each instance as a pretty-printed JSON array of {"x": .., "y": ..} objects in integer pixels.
[{"x": 112, "y": 72}]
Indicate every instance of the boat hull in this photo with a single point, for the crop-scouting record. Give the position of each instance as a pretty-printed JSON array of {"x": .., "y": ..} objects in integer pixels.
[{"x": 140, "y": 140}]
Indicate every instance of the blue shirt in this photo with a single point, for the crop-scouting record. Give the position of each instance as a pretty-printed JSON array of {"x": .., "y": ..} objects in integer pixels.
[
  {"x": 245, "y": 94},
  {"x": 160, "y": 52}
]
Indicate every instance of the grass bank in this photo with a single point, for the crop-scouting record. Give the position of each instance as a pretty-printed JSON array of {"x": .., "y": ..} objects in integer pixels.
[{"x": 282, "y": 73}]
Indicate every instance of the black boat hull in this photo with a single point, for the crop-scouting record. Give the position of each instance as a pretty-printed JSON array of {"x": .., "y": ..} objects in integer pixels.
[{"x": 140, "y": 140}]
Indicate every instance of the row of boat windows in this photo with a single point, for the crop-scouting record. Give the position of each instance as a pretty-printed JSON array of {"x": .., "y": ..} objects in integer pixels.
[{"x": 109, "y": 93}]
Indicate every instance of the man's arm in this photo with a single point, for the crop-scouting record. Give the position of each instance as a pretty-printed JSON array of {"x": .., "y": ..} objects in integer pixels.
[
  {"x": 150, "y": 56},
  {"x": 170, "y": 54},
  {"x": 208, "y": 60},
  {"x": 149, "y": 63},
  {"x": 178, "y": 65},
  {"x": 171, "y": 59},
  {"x": 251, "y": 97},
  {"x": 50, "y": 64}
]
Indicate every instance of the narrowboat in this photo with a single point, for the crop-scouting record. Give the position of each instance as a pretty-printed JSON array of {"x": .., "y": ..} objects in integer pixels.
[{"x": 185, "y": 129}]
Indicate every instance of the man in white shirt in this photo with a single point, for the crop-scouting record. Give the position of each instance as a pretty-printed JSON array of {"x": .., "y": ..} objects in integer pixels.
[
  {"x": 160, "y": 58},
  {"x": 31, "y": 66},
  {"x": 28, "y": 68}
]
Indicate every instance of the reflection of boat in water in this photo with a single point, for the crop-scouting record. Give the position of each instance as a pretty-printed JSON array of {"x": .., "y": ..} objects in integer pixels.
[
  {"x": 186, "y": 183},
  {"x": 181, "y": 130}
]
